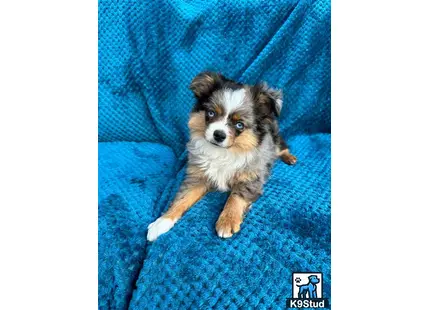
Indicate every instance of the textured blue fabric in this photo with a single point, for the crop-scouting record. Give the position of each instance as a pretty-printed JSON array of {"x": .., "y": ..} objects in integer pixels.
[
  {"x": 150, "y": 51},
  {"x": 148, "y": 54},
  {"x": 132, "y": 177},
  {"x": 286, "y": 230}
]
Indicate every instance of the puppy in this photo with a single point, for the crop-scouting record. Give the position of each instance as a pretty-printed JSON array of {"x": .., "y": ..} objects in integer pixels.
[{"x": 234, "y": 142}]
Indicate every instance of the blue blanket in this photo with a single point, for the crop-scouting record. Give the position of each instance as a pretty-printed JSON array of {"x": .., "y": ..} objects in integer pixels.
[{"x": 148, "y": 54}]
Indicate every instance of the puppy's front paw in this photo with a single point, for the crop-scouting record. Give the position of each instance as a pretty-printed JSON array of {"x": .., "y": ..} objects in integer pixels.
[
  {"x": 228, "y": 225},
  {"x": 159, "y": 227}
]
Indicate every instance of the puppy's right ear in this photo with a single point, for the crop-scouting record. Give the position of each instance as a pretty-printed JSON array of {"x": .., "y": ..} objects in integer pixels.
[
  {"x": 205, "y": 83},
  {"x": 269, "y": 98}
]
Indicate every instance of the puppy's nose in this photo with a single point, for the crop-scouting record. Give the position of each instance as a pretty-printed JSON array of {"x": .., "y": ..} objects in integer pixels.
[{"x": 219, "y": 135}]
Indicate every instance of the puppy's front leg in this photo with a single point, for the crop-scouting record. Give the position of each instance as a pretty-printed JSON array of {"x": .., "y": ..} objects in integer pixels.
[
  {"x": 247, "y": 190},
  {"x": 189, "y": 193},
  {"x": 232, "y": 216}
]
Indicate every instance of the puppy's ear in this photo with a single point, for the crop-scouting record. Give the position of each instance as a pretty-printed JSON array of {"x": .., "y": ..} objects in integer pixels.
[
  {"x": 205, "y": 83},
  {"x": 269, "y": 99}
]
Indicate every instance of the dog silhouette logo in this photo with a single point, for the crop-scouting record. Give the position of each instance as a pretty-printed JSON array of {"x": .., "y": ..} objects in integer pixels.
[{"x": 307, "y": 291}]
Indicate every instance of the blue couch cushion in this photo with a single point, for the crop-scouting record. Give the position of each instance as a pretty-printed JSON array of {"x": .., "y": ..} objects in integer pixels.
[
  {"x": 150, "y": 51},
  {"x": 132, "y": 177},
  {"x": 287, "y": 230}
]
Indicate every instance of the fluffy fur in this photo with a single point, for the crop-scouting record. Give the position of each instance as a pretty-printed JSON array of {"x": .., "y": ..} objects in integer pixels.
[{"x": 234, "y": 142}]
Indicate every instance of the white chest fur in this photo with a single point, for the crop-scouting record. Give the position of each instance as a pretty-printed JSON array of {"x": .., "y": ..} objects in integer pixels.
[{"x": 219, "y": 164}]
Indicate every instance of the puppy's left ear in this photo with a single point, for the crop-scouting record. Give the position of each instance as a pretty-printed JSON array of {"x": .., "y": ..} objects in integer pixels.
[
  {"x": 269, "y": 98},
  {"x": 205, "y": 83}
]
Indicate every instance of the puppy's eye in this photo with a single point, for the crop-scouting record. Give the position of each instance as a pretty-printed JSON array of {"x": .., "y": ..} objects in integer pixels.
[
  {"x": 211, "y": 113},
  {"x": 239, "y": 125}
]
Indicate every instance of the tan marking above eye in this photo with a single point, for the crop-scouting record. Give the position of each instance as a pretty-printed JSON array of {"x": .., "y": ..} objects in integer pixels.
[
  {"x": 235, "y": 117},
  {"x": 218, "y": 109}
]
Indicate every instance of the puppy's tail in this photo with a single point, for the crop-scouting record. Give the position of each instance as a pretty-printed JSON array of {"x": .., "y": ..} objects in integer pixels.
[{"x": 285, "y": 154}]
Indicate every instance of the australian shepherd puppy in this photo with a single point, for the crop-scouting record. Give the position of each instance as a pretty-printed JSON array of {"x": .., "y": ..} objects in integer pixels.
[{"x": 234, "y": 142}]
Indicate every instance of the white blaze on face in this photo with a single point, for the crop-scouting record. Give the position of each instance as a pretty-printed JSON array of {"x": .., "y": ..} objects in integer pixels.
[{"x": 232, "y": 101}]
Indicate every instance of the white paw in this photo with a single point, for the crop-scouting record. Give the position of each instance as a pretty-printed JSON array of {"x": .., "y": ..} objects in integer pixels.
[{"x": 159, "y": 227}]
